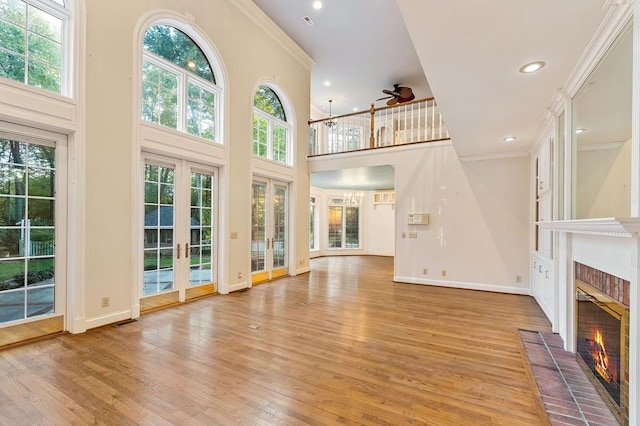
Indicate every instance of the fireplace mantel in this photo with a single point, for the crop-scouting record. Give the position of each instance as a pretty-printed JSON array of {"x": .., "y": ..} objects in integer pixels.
[{"x": 609, "y": 226}]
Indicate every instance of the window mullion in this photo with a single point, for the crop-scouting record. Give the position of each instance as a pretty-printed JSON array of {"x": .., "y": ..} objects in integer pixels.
[
  {"x": 182, "y": 102},
  {"x": 270, "y": 130}
]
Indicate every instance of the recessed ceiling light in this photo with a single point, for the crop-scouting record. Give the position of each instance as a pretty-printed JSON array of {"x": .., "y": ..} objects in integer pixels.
[
  {"x": 317, "y": 5},
  {"x": 532, "y": 67},
  {"x": 509, "y": 139},
  {"x": 578, "y": 131},
  {"x": 355, "y": 108},
  {"x": 327, "y": 83}
]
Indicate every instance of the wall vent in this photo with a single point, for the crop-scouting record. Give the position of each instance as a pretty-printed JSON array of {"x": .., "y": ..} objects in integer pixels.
[{"x": 309, "y": 21}]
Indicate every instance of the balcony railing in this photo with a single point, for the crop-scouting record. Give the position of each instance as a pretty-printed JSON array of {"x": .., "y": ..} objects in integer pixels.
[{"x": 411, "y": 122}]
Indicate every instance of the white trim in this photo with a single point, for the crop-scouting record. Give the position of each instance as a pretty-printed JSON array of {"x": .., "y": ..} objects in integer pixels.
[
  {"x": 616, "y": 18},
  {"x": 238, "y": 286},
  {"x": 495, "y": 288},
  {"x": 612, "y": 226},
  {"x": 107, "y": 319},
  {"x": 163, "y": 141}
]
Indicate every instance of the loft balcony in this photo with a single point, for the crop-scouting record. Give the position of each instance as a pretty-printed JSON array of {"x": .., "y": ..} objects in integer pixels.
[{"x": 412, "y": 122}]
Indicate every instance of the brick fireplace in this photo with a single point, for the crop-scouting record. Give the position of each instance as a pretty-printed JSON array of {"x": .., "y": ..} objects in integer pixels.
[{"x": 602, "y": 335}]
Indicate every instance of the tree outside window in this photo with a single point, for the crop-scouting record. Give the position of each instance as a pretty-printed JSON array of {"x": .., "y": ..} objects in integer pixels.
[
  {"x": 270, "y": 127},
  {"x": 31, "y": 48},
  {"x": 179, "y": 89}
]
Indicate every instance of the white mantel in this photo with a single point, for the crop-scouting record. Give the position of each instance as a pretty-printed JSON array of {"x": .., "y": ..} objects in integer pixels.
[
  {"x": 611, "y": 245},
  {"x": 611, "y": 226}
]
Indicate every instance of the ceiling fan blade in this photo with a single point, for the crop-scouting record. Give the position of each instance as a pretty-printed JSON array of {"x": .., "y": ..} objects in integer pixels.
[
  {"x": 392, "y": 101},
  {"x": 407, "y": 99},
  {"x": 404, "y": 92},
  {"x": 386, "y": 97},
  {"x": 390, "y": 92}
]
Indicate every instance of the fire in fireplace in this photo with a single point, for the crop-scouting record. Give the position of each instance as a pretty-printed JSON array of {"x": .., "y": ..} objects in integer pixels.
[{"x": 600, "y": 341}]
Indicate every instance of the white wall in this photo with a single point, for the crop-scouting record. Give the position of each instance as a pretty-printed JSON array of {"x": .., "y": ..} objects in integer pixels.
[
  {"x": 251, "y": 50},
  {"x": 479, "y": 216},
  {"x": 377, "y": 227}
]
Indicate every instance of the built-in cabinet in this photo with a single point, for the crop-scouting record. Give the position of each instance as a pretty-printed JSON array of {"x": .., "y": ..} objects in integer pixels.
[{"x": 542, "y": 284}]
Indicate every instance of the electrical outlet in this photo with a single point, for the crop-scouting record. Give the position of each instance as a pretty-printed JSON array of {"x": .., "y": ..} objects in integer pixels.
[
  {"x": 518, "y": 278},
  {"x": 444, "y": 272},
  {"x": 240, "y": 275},
  {"x": 424, "y": 271},
  {"x": 404, "y": 235},
  {"x": 105, "y": 302},
  {"x": 413, "y": 235}
]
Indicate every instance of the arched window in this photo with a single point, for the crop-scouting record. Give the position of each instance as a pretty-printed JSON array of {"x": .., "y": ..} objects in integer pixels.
[
  {"x": 32, "y": 47},
  {"x": 179, "y": 88},
  {"x": 271, "y": 131}
]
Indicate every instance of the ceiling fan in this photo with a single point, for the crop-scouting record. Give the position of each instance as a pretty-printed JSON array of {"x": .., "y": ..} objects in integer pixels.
[{"x": 398, "y": 95}]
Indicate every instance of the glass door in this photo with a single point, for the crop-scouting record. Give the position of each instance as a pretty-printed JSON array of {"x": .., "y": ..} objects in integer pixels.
[
  {"x": 32, "y": 229},
  {"x": 269, "y": 218},
  {"x": 179, "y": 233}
]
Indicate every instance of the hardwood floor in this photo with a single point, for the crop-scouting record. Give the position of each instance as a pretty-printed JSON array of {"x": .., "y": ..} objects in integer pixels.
[{"x": 343, "y": 344}]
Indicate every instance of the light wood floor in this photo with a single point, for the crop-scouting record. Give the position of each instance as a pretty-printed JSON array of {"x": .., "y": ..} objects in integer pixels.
[{"x": 343, "y": 344}]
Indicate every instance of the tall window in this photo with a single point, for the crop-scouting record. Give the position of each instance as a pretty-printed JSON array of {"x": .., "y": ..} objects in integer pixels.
[
  {"x": 344, "y": 224},
  {"x": 31, "y": 42},
  {"x": 270, "y": 127},
  {"x": 179, "y": 89}
]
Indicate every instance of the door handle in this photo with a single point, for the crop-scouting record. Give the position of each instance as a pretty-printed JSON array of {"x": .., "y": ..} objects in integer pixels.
[
  {"x": 186, "y": 250},
  {"x": 178, "y": 250}
]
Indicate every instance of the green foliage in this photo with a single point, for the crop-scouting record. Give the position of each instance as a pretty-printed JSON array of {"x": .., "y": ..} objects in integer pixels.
[
  {"x": 40, "y": 66},
  {"x": 177, "y": 47},
  {"x": 266, "y": 100}
]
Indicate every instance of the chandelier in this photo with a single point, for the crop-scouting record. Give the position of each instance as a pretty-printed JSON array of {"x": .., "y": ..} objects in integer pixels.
[
  {"x": 330, "y": 123},
  {"x": 352, "y": 198}
]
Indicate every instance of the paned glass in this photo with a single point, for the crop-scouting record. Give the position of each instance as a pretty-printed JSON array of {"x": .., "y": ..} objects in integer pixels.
[
  {"x": 279, "y": 226},
  {"x": 279, "y": 143},
  {"x": 258, "y": 226},
  {"x": 31, "y": 50},
  {"x": 201, "y": 229},
  {"x": 158, "y": 229},
  {"x": 352, "y": 227},
  {"x": 27, "y": 230},
  {"x": 335, "y": 227},
  {"x": 260, "y": 136}
]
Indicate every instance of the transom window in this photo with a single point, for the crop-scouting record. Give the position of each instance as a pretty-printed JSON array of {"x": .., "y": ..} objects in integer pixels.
[
  {"x": 32, "y": 34},
  {"x": 179, "y": 88},
  {"x": 271, "y": 131}
]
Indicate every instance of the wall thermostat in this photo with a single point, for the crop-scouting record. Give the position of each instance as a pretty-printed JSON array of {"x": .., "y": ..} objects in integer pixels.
[{"x": 418, "y": 218}]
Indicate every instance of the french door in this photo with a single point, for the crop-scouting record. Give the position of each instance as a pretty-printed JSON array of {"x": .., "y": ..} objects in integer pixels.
[
  {"x": 32, "y": 227},
  {"x": 179, "y": 231},
  {"x": 269, "y": 219}
]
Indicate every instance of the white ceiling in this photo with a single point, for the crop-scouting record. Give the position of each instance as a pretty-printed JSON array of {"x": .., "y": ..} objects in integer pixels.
[
  {"x": 470, "y": 52},
  {"x": 359, "y": 46}
]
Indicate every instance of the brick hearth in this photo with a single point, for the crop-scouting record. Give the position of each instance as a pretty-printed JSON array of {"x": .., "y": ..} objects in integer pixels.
[{"x": 567, "y": 394}]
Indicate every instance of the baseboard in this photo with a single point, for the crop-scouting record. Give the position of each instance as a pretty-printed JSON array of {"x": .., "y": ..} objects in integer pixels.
[
  {"x": 238, "y": 286},
  {"x": 465, "y": 285},
  {"x": 108, "y": 319},
  {"x": 303, "y": 270}
]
